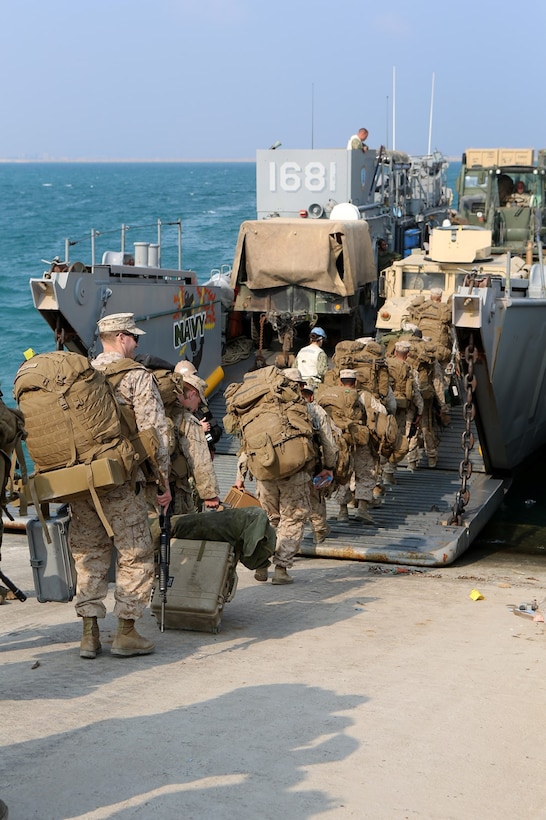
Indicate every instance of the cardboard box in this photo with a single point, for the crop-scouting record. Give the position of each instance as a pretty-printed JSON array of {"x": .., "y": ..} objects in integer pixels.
[
  {"x": 481, "y": 157},
  {"x": 516, "y": 156}
]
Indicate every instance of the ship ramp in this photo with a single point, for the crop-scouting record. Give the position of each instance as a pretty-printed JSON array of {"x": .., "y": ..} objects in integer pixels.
[{"x": 412, "y": 524}]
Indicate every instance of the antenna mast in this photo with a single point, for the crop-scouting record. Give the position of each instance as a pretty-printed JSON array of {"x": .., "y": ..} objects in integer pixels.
[
  {"x": 394, "y": 108},
  {"x": 312, "y": 115},
  {"x": 430, "y": 118}
]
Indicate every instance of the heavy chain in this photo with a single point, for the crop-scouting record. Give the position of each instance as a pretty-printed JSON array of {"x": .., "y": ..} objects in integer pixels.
[
  {"x": 467, "y": 440},
  {"x": 260, "y": 358}
]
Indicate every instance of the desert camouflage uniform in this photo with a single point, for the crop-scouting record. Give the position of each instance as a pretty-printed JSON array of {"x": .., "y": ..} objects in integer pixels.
[
  {"x": 194, "y": 447},
  {"x": 363, "y": 479},
  {"x": 404, "y": 418},
  {"x": 126, "y": 510},
  {"x": 322, "y": 425},
  {"x": 426, "y": 434},
  {"x": 287, "y": 504},
  {"x": 430, "y": 437}
]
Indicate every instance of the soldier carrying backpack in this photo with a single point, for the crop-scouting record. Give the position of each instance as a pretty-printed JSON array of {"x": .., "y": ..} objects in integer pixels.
[
  {"x": 81, "y": 403},
  {"x": 269, "y": 413},
  {"x": 409, "y": 402}
]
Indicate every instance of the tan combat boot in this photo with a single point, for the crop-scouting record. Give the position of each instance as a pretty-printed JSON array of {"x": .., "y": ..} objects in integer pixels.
[
  {"x": 261, "y": 573},
  {"x": 90, "y": 644},
  {"x": 280, "y": 576},
  {"x": 128, "y": 642},
  {"x": 343, "y": 514},
  {"x": 363, "y": 514}
]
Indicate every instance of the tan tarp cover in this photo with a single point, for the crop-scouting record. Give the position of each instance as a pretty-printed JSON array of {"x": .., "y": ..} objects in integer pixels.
[{"x": 273, "y": 253}]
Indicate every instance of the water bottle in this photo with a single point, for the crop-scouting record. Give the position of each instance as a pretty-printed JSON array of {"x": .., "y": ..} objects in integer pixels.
[{"x": 320, "y": 482}]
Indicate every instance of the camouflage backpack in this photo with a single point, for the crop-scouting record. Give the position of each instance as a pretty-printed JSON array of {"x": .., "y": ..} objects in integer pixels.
[
  {"x": 369, "y": 362},
  {"x": 434, "y": 321},
  {"x": 271, "y": 417},
  {"x": 145, "y": 442},
  {"x": 12, "y": 432},
  {"x": 72, "y": 418},
  {"x": 343, "y": 407},
  {"x": 423, "y": 356},
  {"x": 384, "y": 434},
  {"x": 168, "y": 381},
  {"x": 402, "y": 381}
]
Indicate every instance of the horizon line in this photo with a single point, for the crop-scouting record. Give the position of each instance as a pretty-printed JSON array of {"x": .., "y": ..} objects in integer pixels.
[{"x": 20, "y": 160}]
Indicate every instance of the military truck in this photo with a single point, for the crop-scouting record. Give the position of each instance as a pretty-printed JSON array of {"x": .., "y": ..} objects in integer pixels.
[
  {"x": 504, "y": 189},
  {"x": 289, "y": 273},
  {"x": 312, "y": 254}
]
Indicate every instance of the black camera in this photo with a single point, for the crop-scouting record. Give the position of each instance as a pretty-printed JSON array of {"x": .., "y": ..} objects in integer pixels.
[{"x": 215, "y": 433}]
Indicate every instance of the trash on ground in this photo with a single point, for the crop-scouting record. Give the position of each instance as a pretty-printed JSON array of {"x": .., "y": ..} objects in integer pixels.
[{"x": 476, "y": 595}]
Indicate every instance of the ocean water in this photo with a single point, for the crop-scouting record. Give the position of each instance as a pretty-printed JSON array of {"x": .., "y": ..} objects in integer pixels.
[{"x": 45, "y": 204}]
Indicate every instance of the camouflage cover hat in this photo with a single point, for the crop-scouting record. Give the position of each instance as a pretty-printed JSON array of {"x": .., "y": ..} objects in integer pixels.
[
  {"x": 293, "y": 374},
  {"x": 119, "y": 323},
  {"x": 194, "y": 381},
  {"x": 347, "y": 374},
  {"x": 402, "y": 345}
]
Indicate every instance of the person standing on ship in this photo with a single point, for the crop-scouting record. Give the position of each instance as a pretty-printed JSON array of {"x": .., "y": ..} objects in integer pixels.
[
  {"x": 358, "y": 141},
  {"x": 312, "y": 361}
]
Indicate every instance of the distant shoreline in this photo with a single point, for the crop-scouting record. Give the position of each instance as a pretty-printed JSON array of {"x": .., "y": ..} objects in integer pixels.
[{"x": 81, "y": 160}]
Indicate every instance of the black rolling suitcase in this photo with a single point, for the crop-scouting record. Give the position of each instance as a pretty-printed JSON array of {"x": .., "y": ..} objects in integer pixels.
[
  {"x": 202, "y": 579},
  {"x": 52, "y": 564}
]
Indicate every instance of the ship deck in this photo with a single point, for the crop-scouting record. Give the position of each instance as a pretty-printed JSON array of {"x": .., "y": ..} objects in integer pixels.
[{"x": 412, "y": 523}]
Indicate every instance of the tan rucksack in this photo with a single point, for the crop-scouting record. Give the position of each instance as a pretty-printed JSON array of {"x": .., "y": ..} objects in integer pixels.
[
  {"x": 343, "y": 407},
  {"x": 383, "y": 429},
  {"x": 271, "y": 417},
  {"x": 145, "y": 442},
  {"x": 434, "y": 321},
  {"x": 12, "y": 432},
  {"x": 423, "y": 357},
  {"x": 402, "y": 381},
  {"x": 368, "y": 360},
  {"x": 73, "y": 429}
]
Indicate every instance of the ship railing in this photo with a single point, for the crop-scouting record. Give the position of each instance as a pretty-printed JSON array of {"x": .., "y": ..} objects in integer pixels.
[{"x": 146, "y": 254}]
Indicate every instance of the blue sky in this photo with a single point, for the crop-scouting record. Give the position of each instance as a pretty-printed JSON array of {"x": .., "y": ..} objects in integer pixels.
[{"x": 184, "y": 79}]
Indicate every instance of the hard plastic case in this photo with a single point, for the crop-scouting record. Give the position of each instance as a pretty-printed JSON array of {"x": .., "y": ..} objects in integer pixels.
[
  {"x": 240, "y": 498},
  {"x": 52, "y": 564},
  {"x": 202, "y": 579}
]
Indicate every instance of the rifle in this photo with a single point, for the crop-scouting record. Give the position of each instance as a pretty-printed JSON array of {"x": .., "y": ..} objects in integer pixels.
[
  {"x": 11, "y": 586},
  {"x": 164, "y": 560}
]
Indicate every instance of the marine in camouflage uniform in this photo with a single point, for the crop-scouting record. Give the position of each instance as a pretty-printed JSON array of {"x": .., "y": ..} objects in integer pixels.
[
  {"x": 287, "y": 503},
  {"x": 426, "y": 434},
  {"x": 125, "y": 508},
  {"x": 329, "y": 454},
  {"x": 411, "y": 409},
  {"x": 363, "y": 480},
  {"x": 196, "y": 453}
]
